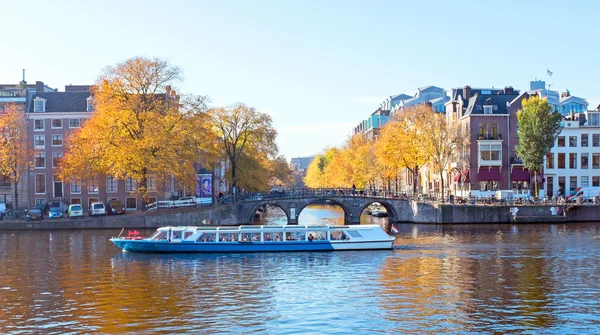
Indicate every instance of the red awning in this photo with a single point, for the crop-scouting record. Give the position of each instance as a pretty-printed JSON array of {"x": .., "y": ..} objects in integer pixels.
[
  {"x": 465, "y": 173},
  {"x": 457, "y": 177},
  {"x": 519, "y": 174},
  {"x": 489, "y": 174}
]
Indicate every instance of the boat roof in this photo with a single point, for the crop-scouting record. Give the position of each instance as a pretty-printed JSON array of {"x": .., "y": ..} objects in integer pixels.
[{"x": 271, "y": 227}]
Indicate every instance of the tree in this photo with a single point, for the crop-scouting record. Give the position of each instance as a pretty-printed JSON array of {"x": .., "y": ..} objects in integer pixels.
[
  {"x": 242, "y": 129},
  {"x": 141, "y": 129},
  {"x": 402, "y": 138},
  {"x": 16, "y": 156},
  {"x": 440, "y": 143},
  {"x": 538, "y": 129}
]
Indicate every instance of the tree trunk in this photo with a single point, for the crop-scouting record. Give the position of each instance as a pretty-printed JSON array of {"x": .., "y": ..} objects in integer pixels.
[
  {"x": 442, "y": 184},
  {"x": 16, "y": 195},
  {"x": 144, "y": 188},
  {"x": 535, "y": 194}
]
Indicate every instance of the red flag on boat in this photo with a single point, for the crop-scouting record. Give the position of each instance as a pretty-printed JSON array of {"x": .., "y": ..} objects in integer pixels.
[
  {"x": 133, "y": 233},
  {"x": 394, "y": 229}
]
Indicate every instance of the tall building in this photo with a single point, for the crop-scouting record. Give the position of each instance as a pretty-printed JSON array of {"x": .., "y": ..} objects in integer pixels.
[{"x": 21, "y": 95}]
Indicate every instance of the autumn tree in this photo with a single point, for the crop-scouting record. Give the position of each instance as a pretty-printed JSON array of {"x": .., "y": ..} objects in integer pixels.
[
  {"x": 141, "y": 129},
  {"x": 402, "y": 138},
  {"x": 440, "y": 142},
  {"x": 16, "y": 156},
  {"x": 539, "y": 127},
  {"x": 241, "y": 129}
]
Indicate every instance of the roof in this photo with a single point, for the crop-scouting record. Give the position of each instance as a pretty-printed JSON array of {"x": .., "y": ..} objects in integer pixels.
[
  {"x": 499, "y": 101},
  {"x": 61, "y": 102}
]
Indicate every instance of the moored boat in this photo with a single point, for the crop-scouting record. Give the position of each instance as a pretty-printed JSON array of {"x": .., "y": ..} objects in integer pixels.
[{"x": 259, "y": 239}]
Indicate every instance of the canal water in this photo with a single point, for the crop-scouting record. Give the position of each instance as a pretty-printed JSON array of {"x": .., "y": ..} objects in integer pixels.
[{"x": 441, "y": 279}]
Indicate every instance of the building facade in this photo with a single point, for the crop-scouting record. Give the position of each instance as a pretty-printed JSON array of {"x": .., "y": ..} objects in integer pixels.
[{"x": 574, "y": 161}]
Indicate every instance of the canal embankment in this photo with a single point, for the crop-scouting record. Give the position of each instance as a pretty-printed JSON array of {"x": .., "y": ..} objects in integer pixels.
[{"x": 420, "y": 212}]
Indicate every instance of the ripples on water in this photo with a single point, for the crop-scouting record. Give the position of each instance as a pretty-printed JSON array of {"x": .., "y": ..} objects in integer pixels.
[{"x": 462, "y": 279}]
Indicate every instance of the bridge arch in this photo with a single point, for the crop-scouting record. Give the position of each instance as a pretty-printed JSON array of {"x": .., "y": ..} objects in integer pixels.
[
  {"x": 265, "y": 204},
  {"x": 385, "y": 204},
  {"x": 334, "y": 201}
]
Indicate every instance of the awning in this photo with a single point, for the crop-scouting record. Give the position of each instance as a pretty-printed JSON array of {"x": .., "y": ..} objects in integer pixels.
[
  {"x": 489, "y": 174},
  {"x": 465, "y": 173},
  {"x": 457, "y": 177},
  {"x": 519, "y": 174}
]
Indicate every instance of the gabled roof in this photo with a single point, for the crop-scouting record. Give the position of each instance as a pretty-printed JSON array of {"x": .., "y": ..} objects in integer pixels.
[
  {"x": 497, "y": 100},
  {"x": 63, "y": 102}
]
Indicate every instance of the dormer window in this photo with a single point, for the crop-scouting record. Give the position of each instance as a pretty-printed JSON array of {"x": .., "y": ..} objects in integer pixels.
[
  {"x": 487, "y": 109},
  {"x": 39, "y": 105},
  {"x": 90, "y": 106}
]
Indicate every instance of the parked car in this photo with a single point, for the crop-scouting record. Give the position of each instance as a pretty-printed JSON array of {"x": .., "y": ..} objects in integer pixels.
[
  {"x": 55, "y": 213},
  {"x": 63, "y": 205},
  {"x": 97, "y": 208},
  {"x": 75, "y": 211},
  {"x": 114, "y": 207},
  {"x": 34, "y": 214}
]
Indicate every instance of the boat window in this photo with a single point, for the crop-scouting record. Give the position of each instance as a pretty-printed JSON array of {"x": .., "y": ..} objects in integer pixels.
[
  {"x": 353, "y": 233},
  {"x": 250, "y": 237},
  {"x": 295, "y": 236},
  {"x": 176, "y": 235},
  {"x": 228, "y": 237},
  {"x": 317, "y": 235},
  {"x": 187, "y": 234},
  {"x": 159, "y": 235},
  {"x": 269, "y": 237},
  {"x": 207, "y": 237},
  {"x": 338, "y": 235}
]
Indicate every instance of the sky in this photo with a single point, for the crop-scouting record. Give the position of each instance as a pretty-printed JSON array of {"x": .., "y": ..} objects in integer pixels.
[{"x": 317, "y": 67}]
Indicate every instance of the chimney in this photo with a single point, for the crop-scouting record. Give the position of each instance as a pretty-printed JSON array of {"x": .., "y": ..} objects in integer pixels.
[
  {"x": 467, "y": 92},
  {"x": 168, "y": 89},
  {"x": 39, "y": 86},
  {"x": 429, "y": 104},
  {"x": 508, "y": 90},
  {"x": 565, "y": 94}
]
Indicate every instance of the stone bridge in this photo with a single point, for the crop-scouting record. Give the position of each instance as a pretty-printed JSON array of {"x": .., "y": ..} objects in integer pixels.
[{"x": 399, "y": 210}]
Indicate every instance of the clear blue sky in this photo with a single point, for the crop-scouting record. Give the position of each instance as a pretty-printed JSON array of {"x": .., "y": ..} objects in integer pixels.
[{"x": 318, "y": 67}]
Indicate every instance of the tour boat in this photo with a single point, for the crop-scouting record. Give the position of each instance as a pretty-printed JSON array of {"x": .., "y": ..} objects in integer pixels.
[{"x": 258, "y": 239}]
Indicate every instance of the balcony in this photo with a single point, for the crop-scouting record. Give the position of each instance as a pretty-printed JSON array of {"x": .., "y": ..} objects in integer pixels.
[
  {"x": 515, "y": 160},
  {"x": 497, "y": 137}
]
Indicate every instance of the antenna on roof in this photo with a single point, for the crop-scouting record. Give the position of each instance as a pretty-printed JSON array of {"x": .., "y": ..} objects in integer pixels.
[{"x": 23, "y": 82}]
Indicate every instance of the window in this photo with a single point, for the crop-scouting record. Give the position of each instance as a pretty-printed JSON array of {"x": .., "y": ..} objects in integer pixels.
[
  {"x": 585, "y": 181},
  {"x": 57, "y": 140},
  {"x": 596, "y": 181},
  {"x": 56, "y": 123},
  {"x": 40, "y": 183},
  {"x": 596, "y": 140},
  {"x": 595, "y": 161},
  {"x": 561, "y": 141},
  {"x": 56, "y": 157},
  {"x": 572, "y": 183},
  {"x": 490, "y": 152},
  {"x": 40, "y": 202},
  {"x": 4, "y": 180},
  {"x": 561, "y": 185},
  {"x": 584, "y": 160},
  {"x": 549, "y": 160},
  {"x": 39, "y": 141},
  {"x": 38, "y": 125},
  {"x": 40, "y": 160},
  {"x": 130, "y": 185},
  {"x": 572, "y": 141},
  {"x": 76, "y": 187},
  {"x": 130, "y": 203},
  {"x": 561, "y": 161},
  {"x": 93, "y": 186},
  {"x": 90, "y": 105},
  {"x": 487, "y": 109},
  {"x": 584, "y": 140},
  {"x": 75, "y": 201},
  {"x": 488, "y": 185},
  {"x": 38, "y": 105},
  {"x": 151, "y": 183},
  {"x": 111, "y": 184},
  {"x": 594, "y": 119},
  {"x": 572, "y": 161},
  {"x": 74, "y": 123},
  {"x": 493, "y": 130}
]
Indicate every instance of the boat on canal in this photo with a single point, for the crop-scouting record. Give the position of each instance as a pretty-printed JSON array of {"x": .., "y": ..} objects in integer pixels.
[{"x": 269, "y": 238}]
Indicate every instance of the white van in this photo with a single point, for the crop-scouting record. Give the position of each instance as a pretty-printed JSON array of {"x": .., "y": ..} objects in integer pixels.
[
  {"x": 588, "y": 193},
  {"x": 97, "y": 208}
]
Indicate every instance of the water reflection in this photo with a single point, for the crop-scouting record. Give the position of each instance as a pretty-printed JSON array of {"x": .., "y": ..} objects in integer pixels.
[
  {"x": 316, "y": 214},
  {"x": 534, "y": 279}
]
